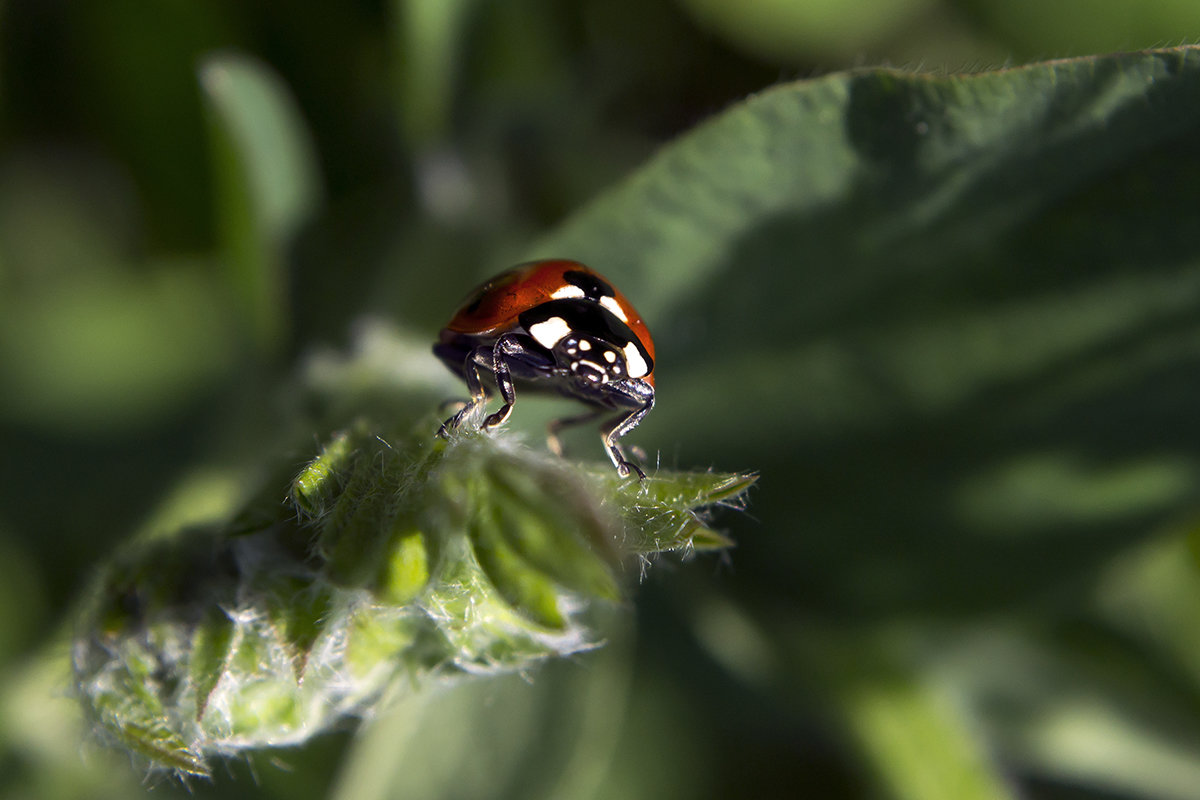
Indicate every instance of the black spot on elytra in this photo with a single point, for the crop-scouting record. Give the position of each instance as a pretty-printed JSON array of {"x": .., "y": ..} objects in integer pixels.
[{"x": 592, "y": 287}]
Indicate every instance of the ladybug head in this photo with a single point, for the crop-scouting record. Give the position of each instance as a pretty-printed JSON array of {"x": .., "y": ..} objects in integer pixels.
[{"x": 591, "y": 359}]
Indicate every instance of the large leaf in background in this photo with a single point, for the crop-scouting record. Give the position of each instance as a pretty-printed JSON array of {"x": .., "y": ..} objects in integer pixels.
[
  {"x": 953, "y": 321},
  {"x": 960, "y": 314}
]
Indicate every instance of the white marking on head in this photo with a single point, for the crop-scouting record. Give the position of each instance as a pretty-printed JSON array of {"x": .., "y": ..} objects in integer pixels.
[
  {"x": 612, "y": 305},
  {"x": 585, "y": 345},
  {"x": 589, "y": 371},
  {"x": 634, "y": 362},
  {"x": 550, "y": 332},
  {"x": 564, "y": 292},
  {"x": 610, "y": 356}
]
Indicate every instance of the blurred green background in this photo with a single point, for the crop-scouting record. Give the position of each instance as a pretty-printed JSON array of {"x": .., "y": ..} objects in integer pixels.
[{"x": 195, "y": 194}]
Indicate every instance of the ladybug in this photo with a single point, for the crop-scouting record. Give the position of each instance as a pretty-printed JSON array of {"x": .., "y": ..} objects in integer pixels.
[{"x": 554, "y": 326}]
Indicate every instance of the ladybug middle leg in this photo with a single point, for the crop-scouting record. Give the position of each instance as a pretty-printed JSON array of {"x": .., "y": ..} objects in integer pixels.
[{"x": 554, "y": 443}]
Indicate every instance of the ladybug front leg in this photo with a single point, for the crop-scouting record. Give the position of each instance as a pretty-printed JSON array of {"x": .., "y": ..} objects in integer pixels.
[
  {"x": 507, "y": 347},
  {"x": 479, "y": 393},
  {"x": 623, "y": 425}
]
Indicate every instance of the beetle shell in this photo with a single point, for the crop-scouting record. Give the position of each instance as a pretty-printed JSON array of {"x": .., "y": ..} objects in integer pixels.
[
  {"x": 495, "y": 306},
  {"x": 556, "y": 326}
]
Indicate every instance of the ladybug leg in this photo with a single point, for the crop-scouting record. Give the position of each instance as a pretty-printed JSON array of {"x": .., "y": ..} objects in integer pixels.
[
  {"x": 509, "y": 346},
  {"x": 623, "y": 425},
  {"x": 552, "y": 430},
  {"x": 479, "y": 394},
  {"x": 614, "y": 431}
]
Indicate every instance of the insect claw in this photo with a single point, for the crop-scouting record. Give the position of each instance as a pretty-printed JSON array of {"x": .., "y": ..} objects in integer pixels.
[
  {"x": 497, "y": 419},
  {"x": 625, "y": 467}
]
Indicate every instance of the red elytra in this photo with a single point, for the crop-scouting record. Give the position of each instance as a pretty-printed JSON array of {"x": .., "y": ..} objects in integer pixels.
[{"x": 495, "y": 305}]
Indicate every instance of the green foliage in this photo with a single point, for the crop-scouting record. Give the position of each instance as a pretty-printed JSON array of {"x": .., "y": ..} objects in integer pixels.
[
  {"x": 950, "y": 319},
  {"x": 965, "y": 310},
  {"x": 402, "y": 563},
  {"x": 266, "y": 185}
]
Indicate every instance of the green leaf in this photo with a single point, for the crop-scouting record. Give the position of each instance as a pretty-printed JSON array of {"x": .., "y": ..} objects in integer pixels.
[
  {"x": 667, "y": 511},
  {"x": 932, "y": 288},
  {"x": 407, "y": 568},
  {"x": 1153, "y": 595},
  {"x": 429, "y": 38},
  {"x": 210, "y": 647},
  {"x": 1078, "y": 704},
  {"x": 917, "y": 736},
  {"x": 320, "y": 480},
  {"x": 553, "y": 737},
  {"x": 267, "y": 184},
  {"x": 527, "y": 590},
  {"x": 582, "y": 562},
  {"x": 953, "y": 320}
]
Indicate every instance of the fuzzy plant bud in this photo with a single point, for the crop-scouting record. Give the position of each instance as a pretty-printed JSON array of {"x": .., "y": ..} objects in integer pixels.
[{"x": 397, "y": 562}]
